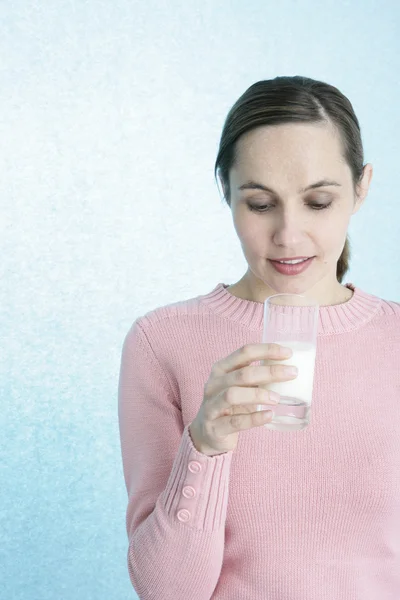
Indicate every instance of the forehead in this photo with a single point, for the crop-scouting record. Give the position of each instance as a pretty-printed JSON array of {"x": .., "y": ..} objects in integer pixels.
[{"x": 290, "y": 150}]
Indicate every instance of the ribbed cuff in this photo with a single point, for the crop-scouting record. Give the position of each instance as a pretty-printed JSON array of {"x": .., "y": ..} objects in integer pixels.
[{"x": 196, "y": 493}]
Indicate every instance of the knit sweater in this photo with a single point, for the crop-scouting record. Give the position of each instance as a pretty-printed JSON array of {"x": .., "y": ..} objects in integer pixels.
[{"x": 312, "y": 514}]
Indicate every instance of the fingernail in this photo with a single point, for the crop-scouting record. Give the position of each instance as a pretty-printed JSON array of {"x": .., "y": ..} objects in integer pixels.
[
  {"x": 274, "y": 396},
  {"x": 286, "y": 351},
  {"x": 292, "y": 370}
]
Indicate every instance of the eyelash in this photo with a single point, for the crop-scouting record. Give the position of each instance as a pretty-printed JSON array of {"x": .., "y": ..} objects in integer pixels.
[{"x": 255, "y": 208}]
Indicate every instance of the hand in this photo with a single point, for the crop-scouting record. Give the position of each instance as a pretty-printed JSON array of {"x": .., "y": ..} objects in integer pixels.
[{"x": 231, "y": 397}]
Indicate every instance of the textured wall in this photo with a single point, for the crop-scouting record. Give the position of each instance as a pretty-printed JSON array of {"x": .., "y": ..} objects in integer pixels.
[{"x": 110, "y": 117}]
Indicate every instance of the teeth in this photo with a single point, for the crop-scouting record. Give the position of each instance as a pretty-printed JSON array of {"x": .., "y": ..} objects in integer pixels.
[{"x": 292, "y": 262}]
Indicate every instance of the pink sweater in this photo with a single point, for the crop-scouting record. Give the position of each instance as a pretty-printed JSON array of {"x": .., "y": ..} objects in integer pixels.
[{"x": 306, "y": 515}]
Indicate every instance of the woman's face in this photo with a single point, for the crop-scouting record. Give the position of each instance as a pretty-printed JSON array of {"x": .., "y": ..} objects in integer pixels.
[{"x": 287, "y": 158}]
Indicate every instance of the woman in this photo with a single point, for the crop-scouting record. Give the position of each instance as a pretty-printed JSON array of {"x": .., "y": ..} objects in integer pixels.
[{"x": 220, "y": 507}]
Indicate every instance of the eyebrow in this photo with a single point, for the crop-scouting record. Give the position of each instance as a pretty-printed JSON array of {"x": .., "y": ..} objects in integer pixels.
[{"x": 253, "y": 185}]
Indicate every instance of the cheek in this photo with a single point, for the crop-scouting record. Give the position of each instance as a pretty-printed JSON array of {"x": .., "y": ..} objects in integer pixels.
[
  {"x": 250, "y": 231},
  {"x": 332, "y": 235},
  {"x": 257, "y": 242}
]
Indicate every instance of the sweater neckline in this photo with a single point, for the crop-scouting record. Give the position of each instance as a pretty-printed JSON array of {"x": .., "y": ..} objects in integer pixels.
[{"x": 333, "y": 319}]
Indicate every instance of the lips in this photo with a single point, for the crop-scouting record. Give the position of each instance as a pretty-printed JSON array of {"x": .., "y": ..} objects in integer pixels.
[
  {"x": 296, "y": 259},
  {"x": 288, "y": 269}
]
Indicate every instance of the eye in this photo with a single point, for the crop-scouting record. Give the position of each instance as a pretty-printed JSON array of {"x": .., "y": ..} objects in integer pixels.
[{"x": 267, "y": 207}]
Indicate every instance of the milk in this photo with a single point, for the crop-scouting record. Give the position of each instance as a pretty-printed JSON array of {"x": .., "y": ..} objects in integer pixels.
[{"x": 293, "y": 410}]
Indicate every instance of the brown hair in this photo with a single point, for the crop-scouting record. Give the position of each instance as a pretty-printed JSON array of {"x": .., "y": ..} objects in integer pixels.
[{"x": 290, "y": 100}]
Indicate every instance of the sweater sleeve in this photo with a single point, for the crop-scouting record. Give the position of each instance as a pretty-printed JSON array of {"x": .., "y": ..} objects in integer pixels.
[{"x": 177, "y": 496}]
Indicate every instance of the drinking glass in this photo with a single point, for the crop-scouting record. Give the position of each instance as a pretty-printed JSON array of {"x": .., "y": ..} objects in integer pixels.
[{"x": 292, "y": 320}]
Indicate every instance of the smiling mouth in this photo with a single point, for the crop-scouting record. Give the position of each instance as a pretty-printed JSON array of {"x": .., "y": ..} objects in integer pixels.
[{"x": 291, "y": 269}]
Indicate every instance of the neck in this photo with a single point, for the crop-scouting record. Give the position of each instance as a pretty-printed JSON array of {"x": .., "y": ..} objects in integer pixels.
[{"x": 249, "y": 288}]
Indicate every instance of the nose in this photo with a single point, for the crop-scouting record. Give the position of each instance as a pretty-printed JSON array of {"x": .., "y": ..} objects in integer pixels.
[{"x": 289, "y": 230}]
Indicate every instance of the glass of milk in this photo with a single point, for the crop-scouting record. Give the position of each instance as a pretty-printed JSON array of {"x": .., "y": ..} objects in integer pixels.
[{"x": 292, "y": 320}]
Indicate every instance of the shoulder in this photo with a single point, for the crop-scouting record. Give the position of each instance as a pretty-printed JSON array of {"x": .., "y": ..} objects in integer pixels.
[
  {"x": 387, "y": 322},
  {"x": 161, "y": 322},
  {"x": 390, "y": 308},
  {"x": 169, "y": 313},
  {"x": 377, "y": 305}
]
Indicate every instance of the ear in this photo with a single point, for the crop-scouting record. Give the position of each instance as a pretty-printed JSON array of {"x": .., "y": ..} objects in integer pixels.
[
  {"x": 221, "y": 184},
  {"x": 363, "y": 187}
]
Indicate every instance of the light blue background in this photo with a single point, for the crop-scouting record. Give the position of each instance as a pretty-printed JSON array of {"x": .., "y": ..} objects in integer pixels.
[{"x": 110, "y": 119}]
